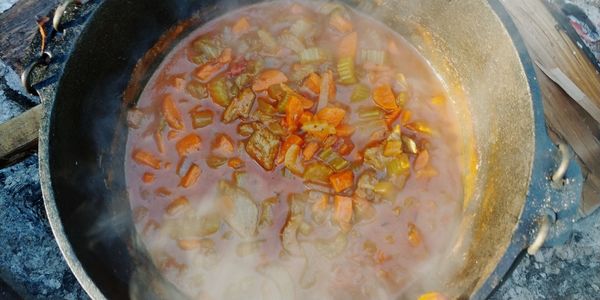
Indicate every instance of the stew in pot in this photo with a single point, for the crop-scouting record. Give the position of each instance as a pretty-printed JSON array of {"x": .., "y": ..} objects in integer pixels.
[{"x": 294, "y": 150}]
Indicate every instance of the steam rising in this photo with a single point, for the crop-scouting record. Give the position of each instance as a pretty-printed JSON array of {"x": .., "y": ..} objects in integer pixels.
[{"x": 214, "y": 269}]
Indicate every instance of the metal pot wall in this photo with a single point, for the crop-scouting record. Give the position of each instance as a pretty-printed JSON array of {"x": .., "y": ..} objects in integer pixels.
[{"x": 472, "y": 44}]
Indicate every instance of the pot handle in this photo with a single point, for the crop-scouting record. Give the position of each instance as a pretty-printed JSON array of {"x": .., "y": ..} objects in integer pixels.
[{"x": 19, "y": 136}]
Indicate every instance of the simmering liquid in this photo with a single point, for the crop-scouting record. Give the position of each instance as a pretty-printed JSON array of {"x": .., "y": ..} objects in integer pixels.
[{"x": 294, "y": 150}]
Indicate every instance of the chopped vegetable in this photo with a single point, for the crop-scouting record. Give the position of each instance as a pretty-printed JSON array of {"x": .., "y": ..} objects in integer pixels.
[
  {"x": 333, "y": 159},
  {"x": 177, "y": 205},
  {"x": 361, "y": 92},
  {"x": 268, "y": 78},
  {"x": 374, "y": 157},
  {"x": 201, "y": 118},
  {"x": 262, "y": 147},
  {"x": 291, "y": 160},
  {"x": 342, "y": 212},
  {"x": 196, "y": 89},
  {"x": 384, "y": 98},
  {"x": 293, "y": 111},
  {"x": 241, "y": 26},
  {"x": 346, "y": 71},
  {"x": 369, "y": 113},
  {"x": 313, "y": 83},
  {"x": 189, "y": 144},
  {"x": 171, "y": 113},
  {"x": 347, "y": 46},
  {"x": 312, "y": 55},
  {"x": 214, "y": 161},
  {"x": 191, "y": 176},
  {"x": 194, "y": 244},
  {"x": 332, "y": 115},
  {"x": 376, "y": 57},
  {"x": 291, "y": 42},
  {"x": 158, "y": 139},
  {"x": 235, "y": 163},
  {"x": 219, "y": 92},
  {"x": 319, "y": 128},
  {"x": 211, "y": 69},
  {"x": 398, "y": 165},
  {"x": 309, "y": 150},
  {"x": 344, "y": 130},
  {"x": 409, "y": 145},
  {"x": 222, "y": 145},
  {"x": 301, "y": 28},
  {"x": 240, "y": 106},
  {"x": 245, "y": 129},
  {"x": 238, "y": 209},
  {"x": 317, "y": 172},
  {"x": 146, "y": 158},
  {"x": 392, "y": 148},
  {"x": 342, "y": 180},
  {"x": 292, "y": 139},
  {"x": 148, "y": 177}
]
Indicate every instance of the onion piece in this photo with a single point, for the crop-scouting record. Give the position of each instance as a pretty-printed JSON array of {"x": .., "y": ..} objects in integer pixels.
[{"x": 333, "y": 247}]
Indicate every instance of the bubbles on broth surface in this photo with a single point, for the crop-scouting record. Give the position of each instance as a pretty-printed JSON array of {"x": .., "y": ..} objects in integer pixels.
[{"x": 309, "y": 154}]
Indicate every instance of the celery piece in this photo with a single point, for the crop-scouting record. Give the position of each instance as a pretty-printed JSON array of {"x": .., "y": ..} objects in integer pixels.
[
  {"x": 346, "y": 70},
  {"x": 360, "y": 93}
]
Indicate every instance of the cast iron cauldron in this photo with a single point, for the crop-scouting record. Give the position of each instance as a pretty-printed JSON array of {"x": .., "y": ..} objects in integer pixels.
[{"x": 472, "y": 44}]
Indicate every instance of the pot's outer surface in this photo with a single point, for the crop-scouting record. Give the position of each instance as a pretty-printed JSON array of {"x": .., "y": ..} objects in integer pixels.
[{"x": 490, "y": 80}]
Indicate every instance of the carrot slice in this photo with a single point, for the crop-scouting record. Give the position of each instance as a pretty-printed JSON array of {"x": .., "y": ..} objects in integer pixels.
[
  {"x": 235, "y": 163},
  {"x": 191, "y": 176},
  {"x": 344, "y": 130},
  {"x": 158, "y": 139},
  {"x": 342, "y": 213},
  {"x": 347, "y": 46},
  {"x": 310, "y": 150},
  {"x": 146, "y": 158},
  {"x": 148, "y": 177},
  {"x": 268, "y": 78},
  {"x": 189, "y": 144},
  {"x": 384, "y": 98},
  {"x": 171, "y": 113},
  {"x": 392, "y": 116},
  {"x": 342, "y": 180},
  {"x": 241, "y": 26},
  {"x": 177, "y": 205},
  {"x": 293, "y": 111},
  {"x": 292, "y": 139},
  {"x": 212, "y": 68},
  {"x": 313, "y": 83},
  {"x": 332, "y": 115},
  {"x": 222, "y": 145},
  {"x": 306, "y": 103}
]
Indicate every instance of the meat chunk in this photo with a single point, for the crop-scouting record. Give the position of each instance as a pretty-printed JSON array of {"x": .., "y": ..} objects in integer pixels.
[
  {"x": 263, "y": 146},
  {"x": 240, "y": 106}
]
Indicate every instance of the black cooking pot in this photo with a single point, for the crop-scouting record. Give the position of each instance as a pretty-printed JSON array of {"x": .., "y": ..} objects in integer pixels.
[{"x": 92, "y": 56}]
